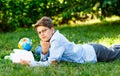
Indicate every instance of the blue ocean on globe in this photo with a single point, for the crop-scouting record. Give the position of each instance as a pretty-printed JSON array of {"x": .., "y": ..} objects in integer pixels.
[{"x": 25, "y": 44}]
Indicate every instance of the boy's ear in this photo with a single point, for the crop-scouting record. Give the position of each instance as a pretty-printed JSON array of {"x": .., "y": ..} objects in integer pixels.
[{"x": 52, "y": 29}]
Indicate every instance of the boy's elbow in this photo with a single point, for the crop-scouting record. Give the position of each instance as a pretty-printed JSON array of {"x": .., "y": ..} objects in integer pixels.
[{"x": 55, "y": 62}]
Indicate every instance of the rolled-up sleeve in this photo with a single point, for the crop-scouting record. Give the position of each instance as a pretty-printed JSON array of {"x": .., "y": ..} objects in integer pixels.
[{"x": 44, "y": 57}]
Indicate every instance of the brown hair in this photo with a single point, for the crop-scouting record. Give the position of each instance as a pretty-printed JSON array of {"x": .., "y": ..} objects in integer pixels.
[{"x": 44, "y": 21}]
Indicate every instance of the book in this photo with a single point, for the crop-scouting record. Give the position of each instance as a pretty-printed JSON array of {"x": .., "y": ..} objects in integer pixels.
[{"x": 19, "y": 54}]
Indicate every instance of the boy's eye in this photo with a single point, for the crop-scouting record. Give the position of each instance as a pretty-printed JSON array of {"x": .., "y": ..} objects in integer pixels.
[{"x": 43, "y": 31}]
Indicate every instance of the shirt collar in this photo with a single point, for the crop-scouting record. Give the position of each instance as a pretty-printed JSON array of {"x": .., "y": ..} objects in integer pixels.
[{"x": 56, "y": 32}]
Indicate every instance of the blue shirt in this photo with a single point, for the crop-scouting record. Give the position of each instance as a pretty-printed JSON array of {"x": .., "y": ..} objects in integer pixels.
[{"x": 63, "y": 49}]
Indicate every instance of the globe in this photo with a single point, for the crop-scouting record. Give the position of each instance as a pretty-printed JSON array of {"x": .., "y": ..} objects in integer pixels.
[{"x": 25, "y": 44}]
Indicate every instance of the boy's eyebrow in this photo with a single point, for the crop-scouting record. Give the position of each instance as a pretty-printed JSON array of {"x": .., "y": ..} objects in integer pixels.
[{"x": 42, "y": 30}]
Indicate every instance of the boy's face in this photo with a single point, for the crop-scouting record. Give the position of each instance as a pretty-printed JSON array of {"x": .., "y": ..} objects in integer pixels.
[{"x": 45, "y": 33}]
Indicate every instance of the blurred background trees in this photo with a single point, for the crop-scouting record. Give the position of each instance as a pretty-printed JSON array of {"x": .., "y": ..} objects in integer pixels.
[{"x": 24, "y": 13}]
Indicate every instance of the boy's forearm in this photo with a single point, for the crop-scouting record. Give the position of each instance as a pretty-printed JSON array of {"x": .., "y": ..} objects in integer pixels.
[{"x": 45, "y": 47}]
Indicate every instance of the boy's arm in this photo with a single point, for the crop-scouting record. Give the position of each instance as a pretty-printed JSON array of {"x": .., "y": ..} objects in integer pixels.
[
  {"x": 45, "y": 50},
  {"x": 45, "y": 46},
  {"x": 54, "y": 58},
  {"x": 56, "y": 52}
]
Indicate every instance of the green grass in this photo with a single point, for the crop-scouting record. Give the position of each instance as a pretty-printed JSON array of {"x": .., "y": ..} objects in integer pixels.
[{"x": 106, "y": 33}]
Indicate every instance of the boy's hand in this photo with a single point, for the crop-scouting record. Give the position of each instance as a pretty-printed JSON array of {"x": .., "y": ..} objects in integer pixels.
[
  {"x": 45, "y": 46},
  {"x": 23, "y": 62}
]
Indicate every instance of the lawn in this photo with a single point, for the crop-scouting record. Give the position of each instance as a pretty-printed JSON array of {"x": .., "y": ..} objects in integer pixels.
[{"x": 106, "y": 33}]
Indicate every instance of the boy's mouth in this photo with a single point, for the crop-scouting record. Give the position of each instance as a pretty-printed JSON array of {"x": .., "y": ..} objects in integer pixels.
[{"x": 43, "y": 37}]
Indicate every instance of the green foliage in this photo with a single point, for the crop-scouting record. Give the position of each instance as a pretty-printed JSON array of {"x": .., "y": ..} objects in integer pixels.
[
  {"x": 110, "y": 7},
  {"x": 24, "y": 13}
]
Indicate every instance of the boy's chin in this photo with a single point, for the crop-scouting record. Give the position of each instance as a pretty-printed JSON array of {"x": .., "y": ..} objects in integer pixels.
[{"x": 45, "y": 40}]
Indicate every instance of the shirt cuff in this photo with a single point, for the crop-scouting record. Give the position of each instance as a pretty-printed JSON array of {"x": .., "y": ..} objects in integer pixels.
[{"x": 44, "y": 57}]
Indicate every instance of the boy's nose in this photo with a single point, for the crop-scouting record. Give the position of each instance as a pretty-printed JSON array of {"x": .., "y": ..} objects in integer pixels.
[{"x": 42, "y": 33}]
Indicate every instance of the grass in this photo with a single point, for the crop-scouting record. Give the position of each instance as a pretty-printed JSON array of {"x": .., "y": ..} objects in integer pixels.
[{"x": 106, "y": 33}]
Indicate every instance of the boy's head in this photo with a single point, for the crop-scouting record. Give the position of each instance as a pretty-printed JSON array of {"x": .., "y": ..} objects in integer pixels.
[
  {"x": 44, "y": 21},
  {"x": 44, "y": 28}
]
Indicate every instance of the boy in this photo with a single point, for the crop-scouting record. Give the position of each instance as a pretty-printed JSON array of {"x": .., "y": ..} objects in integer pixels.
[{"x": 55, "y": 47}]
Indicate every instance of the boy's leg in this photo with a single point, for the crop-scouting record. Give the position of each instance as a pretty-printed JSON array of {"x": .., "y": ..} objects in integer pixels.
[
  {"x": 106, "y": 54},
  {"x": 117, "y": 46},
  {"x": 38, "y": 51}
]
